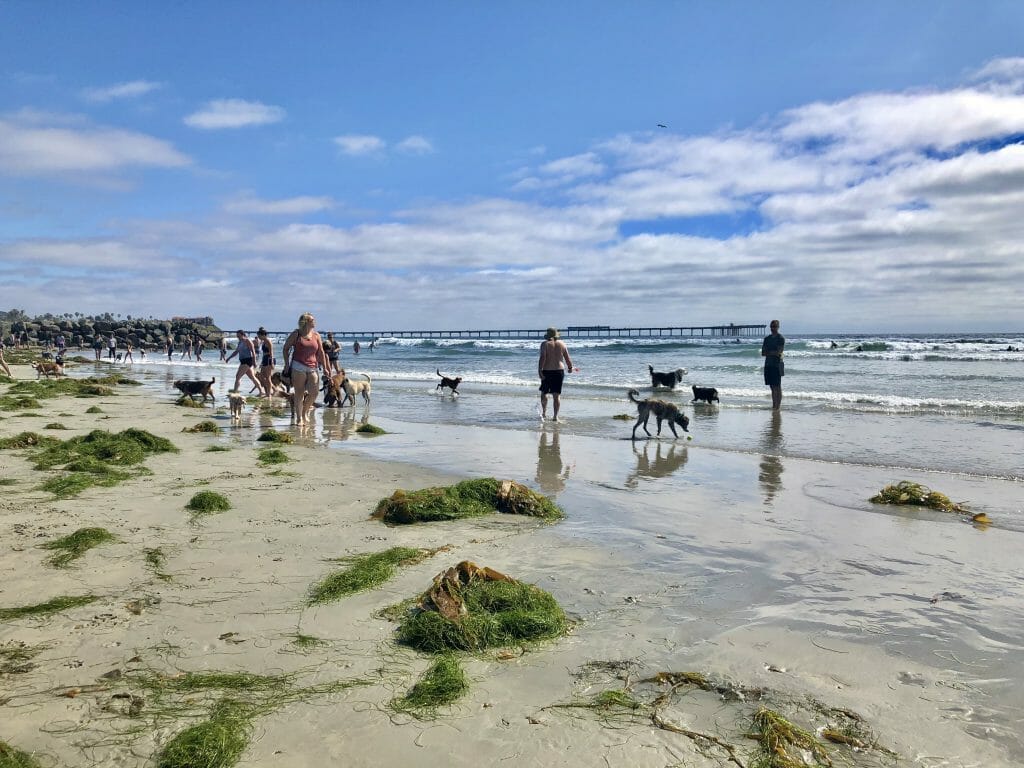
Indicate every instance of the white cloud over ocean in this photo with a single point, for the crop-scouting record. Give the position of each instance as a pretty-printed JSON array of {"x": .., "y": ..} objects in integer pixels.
[
  {"x": 234, "y": 113},
  {"x": 884, "y": 210}
]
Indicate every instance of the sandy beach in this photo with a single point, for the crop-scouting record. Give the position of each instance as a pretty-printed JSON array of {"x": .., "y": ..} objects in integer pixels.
[{"x": 774, "y": 579}]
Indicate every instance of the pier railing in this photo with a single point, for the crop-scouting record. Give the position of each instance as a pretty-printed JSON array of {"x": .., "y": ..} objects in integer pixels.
[{"x": 572, "y": 332}]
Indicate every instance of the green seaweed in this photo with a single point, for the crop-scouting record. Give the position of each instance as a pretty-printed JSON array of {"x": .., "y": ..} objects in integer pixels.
[
  {"x": 370, "y": 429},
  {"x": 498, "y": 613},
  {"x": 273, "y": 436},
  {"x": 203, "y": 426},
  {"x": 54, "y": 605},
  {"x": 269, "y": 456},
  {"x": 365, "y": 572},
  {"x": 94, "y": 409},
  {"x": 217, "y": 742},
  {"x": 72, "y": 484},
  {"x": 75, "y": 545},
  {"x": 443, "y": 683},
  {"x": 915, "y": 494},
  {"x": 27, "y": 440},
  {"x": 777, "y": 737},
  {"x": 11, "y": 757},
  {"x": 470, "y": 498},
  {"x": 217, "y": 448},
  {"x": 125, "y": 448},
  {"x": 54, "y": 425},
  {"x": 16, "y": 658},
  {"x": 208, "y": 502}
]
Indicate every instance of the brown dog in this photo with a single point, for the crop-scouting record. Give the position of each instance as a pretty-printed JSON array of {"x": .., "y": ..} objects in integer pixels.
[
  {"x": 333, "y": 387},
  {"x": 193, "y": 388},
  {"x": 662, "y": 412},
  {"x": 47, "y": 369},
  {"x": 452, "y": 384}
]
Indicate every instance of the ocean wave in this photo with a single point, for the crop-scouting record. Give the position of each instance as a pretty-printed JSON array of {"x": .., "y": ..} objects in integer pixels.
[{"x": 610, "y": 344}]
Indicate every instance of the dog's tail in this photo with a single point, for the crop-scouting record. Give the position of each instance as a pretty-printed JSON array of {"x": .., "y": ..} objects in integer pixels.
[
  {"x": 365, "y": 376},
  {"x": 439, "y": 373},
  {"x": 633, "y": 395},
  {"x": 212, "y": 379},
  {"x": 651, "y": 369}
]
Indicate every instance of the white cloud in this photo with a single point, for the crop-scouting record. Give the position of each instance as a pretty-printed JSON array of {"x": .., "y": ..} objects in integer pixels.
[
  {"x": 415, "y": 145},
  {"x": 29, "y": 148},
  {"x": 359, "y": 144},
  {"x": 129, "y": 90},
  {"x": 292, "y": 206},
  {"x": 575, "y": 167},
  {"x": 234, "y": 113}
]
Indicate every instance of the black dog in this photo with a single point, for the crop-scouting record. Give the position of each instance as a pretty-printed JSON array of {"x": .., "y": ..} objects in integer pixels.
[
  {"x": 669, "y": 379},
  {"x": 193, "y": 388},
  {"x": 706, "y": 394},
  {"x": 452, "y": 384}
]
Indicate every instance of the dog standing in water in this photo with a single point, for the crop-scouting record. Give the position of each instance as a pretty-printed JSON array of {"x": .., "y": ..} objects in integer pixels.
[
  {"x": 452, "y": 384},
  {"x": 661, "y": 410}
]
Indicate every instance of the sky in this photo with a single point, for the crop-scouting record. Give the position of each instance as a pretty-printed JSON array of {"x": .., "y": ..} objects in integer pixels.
[{"x": 844, "y": 167}]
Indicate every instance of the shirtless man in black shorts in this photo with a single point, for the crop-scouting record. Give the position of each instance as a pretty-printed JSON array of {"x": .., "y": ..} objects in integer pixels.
[{"x": 551, "y": 371}]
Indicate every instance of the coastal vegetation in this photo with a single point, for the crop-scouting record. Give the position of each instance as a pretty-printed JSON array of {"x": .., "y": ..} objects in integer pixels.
[
  {"x": 370, "y": 429},
  {"x": 73, "y": 546},
  {"x": 364, "y": 572},
  {"x": 268, "y": 456},
  {"x": 273, "y": 436},
  {"x": 441, "y": 684},
  {"x": 54, "y": 605},
  {"x": 469, "y": 498},
  {"x": 915, "y": 494},
  {"x": 203, "y": 426},
  {"x": 207, "y": 502}
]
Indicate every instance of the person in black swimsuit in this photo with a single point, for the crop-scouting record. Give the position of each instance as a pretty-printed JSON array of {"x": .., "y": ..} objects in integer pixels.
[
  {"x": 246, "y": 359},
  {"x": 267, "y": 360}
]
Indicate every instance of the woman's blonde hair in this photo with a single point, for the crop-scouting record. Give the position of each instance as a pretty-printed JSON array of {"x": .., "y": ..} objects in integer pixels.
[{"x": 305, "y": 321}]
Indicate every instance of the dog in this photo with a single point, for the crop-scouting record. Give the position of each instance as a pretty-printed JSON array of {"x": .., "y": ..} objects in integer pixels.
[
  {"x": 236, "y": 400},
  {"x": 47, "y": 369},
  {"x": 452, "y": 384},
  {"x": 704, "y": 393},
  {"x": 353, "y": 387},
  {"x": 662, "y": 412},
  {"x": 669, "y": 379},
  {"x": 193, "y": 388},
  {"x": 332, "y": 389}
]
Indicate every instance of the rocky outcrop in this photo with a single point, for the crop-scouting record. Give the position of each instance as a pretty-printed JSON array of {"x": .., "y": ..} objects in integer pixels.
[{"x": 84, "y": 330}]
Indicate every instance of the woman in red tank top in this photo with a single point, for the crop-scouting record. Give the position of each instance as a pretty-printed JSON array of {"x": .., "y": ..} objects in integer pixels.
[{"x": 303, "y": 353}]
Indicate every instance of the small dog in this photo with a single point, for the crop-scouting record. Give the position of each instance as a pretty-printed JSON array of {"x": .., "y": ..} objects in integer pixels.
[
  {"x": 452, "y": 384},
  {"x": 704, "y": 393},
  {"x": 669, "y": 379},
  {"x": 118, "y": 358},
  {"x": 662, "y": 412},
  {"x": 236, "y": 400},
  {"x": 281, "y": 383},
  {"x": 353, "y": 387},
  {"x": 193, "y": 388},
  {"x": 47, "y": 369}
]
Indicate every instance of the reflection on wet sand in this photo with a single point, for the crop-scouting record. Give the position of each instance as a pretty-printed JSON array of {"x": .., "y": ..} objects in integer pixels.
[
  {"x": 770, "y": 473},
  {"x": 551, "y": 473},
  {"x": 340, "y": 423},
  {"x": 662, "y": 465}
]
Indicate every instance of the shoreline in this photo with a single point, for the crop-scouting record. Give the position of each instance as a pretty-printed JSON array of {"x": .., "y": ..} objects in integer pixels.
[{"x": 768, "y": 574}]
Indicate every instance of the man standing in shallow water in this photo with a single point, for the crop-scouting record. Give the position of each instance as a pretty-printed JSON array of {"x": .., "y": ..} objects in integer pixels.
[
  {"x": 551, "y": 371},
  {"x": 771, "y": 351}
]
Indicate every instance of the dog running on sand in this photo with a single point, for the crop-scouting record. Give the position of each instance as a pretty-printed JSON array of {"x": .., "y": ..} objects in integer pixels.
[
  {"x": 707, "y": 394},
  {"x": 451, "y": 384},
  {"x": 47, "y": 369},
  {"x": 193, "y": 388},
  {"x": 236, "y": 400},
  {"x": 668, "y": 379},
  {"x": 661, "y": 410}
]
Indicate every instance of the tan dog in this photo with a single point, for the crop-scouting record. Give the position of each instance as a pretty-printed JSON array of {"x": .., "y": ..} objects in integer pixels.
[
  {"x": 662, "y": 412},
  {"x": 353, "y": 387},
  {"x": 236, "y": 400},
  {"x": 47, "y": 369}
]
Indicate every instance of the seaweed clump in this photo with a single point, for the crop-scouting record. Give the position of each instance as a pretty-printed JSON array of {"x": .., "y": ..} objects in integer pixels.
[
  {"x": 443, "y": 683},
  {"x": 54, "y": 605},
  {"x": 125, "y": 448},
  {"x": 470, "y": 608},
  {"x": 364, "y": 572},
  {"x": 74, "y": 545},
  {"x": 203, "y": 426},
  {"x": 273, "y": 436},
  {"x": 11, "y": 757},
  {"x": 16, "y": 658},
  {"x": 27, "y": 440},
  {"x": 216, "y": 742},
  {"x": 470, "y": 498},
  {"x": 208, "y": 502},
  {"x": 269, "y": 456},
  {"x": 906, "y": 492},
  {"x": 370, "y": 429},
  {"x": 779, "y": 738}
]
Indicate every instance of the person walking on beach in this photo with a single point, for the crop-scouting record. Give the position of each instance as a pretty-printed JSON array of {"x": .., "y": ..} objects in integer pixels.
[
  {"x": 223, "y": 348},
  {"x": 97, "y": 346},
  {"x": 552, "y": 372},
  {"x": 169, "y": 348},
  {"x": 200, "y": 346},
  {"x": 111, "y": 347},
  {"x": 302, "y": 353},
  {"x": 266, "y": 360},
  {"x": 246, "y": 359},
  {"x": 3, "y": 363},
  {"x": 333, "y": 353},
  {"x": 186, "y": 348},
  {"x": 771, "y": 351},
  {"x": 128, "y": 352}
]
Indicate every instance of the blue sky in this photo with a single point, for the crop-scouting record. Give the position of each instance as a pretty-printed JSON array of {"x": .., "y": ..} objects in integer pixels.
[{"x": 842, "y": 166}]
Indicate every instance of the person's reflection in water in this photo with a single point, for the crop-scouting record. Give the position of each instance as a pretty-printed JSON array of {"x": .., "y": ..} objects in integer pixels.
[
  {"x": 662, "y": 465},
  {"x": 551, "y": 473},
  {"x": 770, "y": 474}
]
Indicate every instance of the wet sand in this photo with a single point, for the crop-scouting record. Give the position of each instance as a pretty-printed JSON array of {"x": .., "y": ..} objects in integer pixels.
[{"x": 759, "y": 572}]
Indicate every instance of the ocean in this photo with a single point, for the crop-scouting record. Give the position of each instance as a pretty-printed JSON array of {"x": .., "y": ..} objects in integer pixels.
[{"x": 938, "y": 402}]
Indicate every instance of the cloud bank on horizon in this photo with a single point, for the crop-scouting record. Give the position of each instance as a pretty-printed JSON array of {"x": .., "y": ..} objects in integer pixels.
[{"x": 897, "y": 210}]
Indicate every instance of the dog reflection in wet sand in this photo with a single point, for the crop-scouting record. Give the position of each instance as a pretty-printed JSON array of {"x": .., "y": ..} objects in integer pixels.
[{"x": 661, "y": 410}]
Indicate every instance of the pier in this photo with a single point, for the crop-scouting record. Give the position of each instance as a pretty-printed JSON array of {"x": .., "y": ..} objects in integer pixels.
[{"x": 730, "y": 331}]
